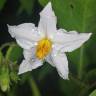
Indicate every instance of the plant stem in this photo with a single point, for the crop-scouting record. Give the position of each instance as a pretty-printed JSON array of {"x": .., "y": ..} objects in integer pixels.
[
  {"x": 34, "y": 87},
  {"x": 80, "y": 69}
]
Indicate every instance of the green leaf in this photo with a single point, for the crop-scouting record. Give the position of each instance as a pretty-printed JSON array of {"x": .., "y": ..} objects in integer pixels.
[
  {"x": 26, "y": 5},
  {"x": 90, "y": 76},
  {"x": 93, "y": 93},
  {"x": 68, "y": 87},
  {"x": 44, "y": 71},
  {"x": 74, "y": 57},
  {"x": 73, "y": 86},
  {"x": 2, "y": 3},
  {"x": 79, "y": 15},
  {"x": 14, "y": 53}
]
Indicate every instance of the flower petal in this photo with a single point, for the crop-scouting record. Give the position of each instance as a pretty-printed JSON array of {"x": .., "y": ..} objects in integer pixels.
[
  {"x": 25, "y": 34},
  {"x": 69, "y": 41},
  {"x": 48, "y": 21},
  {"x": 26, "y": 66},
  {"x": 30, "y": 62},
  {"x": 61, "y": 63},
  {"x": 25, "y": 43},
  {"x": 29, "y": 54},
  {"x": 49, "y": 60}
]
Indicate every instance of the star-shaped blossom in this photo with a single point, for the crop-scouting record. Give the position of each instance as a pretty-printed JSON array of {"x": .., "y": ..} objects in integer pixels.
[{"x": 46, "y": 42}]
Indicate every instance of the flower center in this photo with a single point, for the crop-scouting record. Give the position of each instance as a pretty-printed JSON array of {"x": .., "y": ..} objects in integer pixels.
[{"x": 44, "y": 46}]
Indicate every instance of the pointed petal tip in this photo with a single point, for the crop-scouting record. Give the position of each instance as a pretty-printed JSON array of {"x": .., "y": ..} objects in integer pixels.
[
  {"x": 90, "y": 34},
  {"x": 8, "y": 26},
  {"x": 19, "y": 73},
  {"x": 47, "y": 10},
  {"x": 23, "y": 71},
  {"x": 65, "y": 77},
  {"x": 49, "y": 3},
  {"x": 11, "y": 30}
]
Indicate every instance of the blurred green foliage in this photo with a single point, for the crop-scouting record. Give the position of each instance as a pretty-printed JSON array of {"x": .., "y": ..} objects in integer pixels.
[
  {"x": 1, "y": 57},
  {"x": 93, "y": 93},
  {"x": 8, "y": 67},
  {"x": 79, "y": 15},
  {"x": 27, "y": 6},
  {"x": 2, "y": 3},
  {"x": 13, "y": 53}
]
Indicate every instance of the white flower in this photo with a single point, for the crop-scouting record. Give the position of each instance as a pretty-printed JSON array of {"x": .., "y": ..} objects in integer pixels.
[{"x": 46, "y": 42}]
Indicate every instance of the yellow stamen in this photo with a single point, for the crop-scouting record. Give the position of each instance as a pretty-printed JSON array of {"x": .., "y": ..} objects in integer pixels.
[{"x": 43, "y": 48}]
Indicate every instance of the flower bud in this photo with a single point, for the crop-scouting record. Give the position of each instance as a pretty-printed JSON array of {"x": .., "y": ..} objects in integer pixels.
[{"x": 4, "y": 78}]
